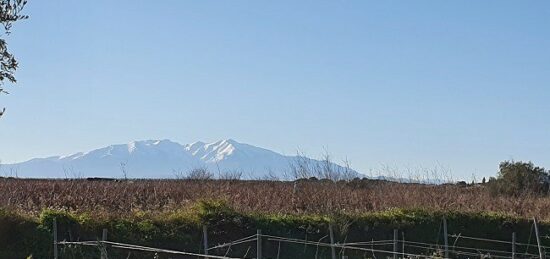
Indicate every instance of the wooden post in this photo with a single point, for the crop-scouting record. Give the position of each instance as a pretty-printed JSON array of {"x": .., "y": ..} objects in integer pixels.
[
  {"x": 55, "y": 255},
  {"x": 403, "y": 245},
  {"x": 541, "y": 252},
  {"x": 331, "y": 233},
  {"x": 259, "y": 244},
  {"x": 446, "y": 237},
  {"x": 205, "y": 239},
  {"x": 395, "y": 244},
  {"x": 104, "y": 250},
  {"x": 513, "y": 245}
]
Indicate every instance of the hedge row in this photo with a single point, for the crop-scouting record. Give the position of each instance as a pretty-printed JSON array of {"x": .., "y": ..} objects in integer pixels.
[{"x": 22, "y": 236}]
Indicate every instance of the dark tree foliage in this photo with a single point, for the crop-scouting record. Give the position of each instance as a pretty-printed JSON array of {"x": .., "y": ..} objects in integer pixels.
[
  {"x": 9, "y": 13},
  {"x": 520, "y": 178}
]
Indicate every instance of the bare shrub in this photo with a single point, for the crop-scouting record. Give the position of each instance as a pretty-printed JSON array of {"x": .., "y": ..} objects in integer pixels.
[
  {"x": 271, "y": 176},
  {"x": 303, "y": 167},
  {"x": 72, "y": 173},
  {"x": 179, "y": 174},
  {"x": 200, "y": 174},
  {"x": 231, "y": 175},
  {"x": 124, "y": 170},
  {"x": 348, "y": 174},
  {"x": 300, "y": 167},
  {"x": 327, "y": 169}
]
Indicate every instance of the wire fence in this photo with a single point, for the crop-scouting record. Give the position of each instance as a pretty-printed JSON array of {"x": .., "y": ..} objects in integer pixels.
[{"x": 385, "y": 248}]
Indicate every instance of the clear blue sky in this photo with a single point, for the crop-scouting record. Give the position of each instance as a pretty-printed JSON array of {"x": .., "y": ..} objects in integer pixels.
[{"x": 463, "y": 84}]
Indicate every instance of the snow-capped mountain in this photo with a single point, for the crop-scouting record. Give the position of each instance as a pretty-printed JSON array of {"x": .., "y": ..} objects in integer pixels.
[{"x": 166, "y": 159}]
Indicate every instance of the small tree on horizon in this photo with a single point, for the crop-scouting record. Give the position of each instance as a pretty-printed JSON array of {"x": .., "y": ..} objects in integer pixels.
[
  {"x": 9, "y": 13},
  {"x": 520, "y": 178}
]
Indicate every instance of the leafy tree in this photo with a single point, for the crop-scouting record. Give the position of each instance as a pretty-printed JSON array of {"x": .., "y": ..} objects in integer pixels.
[
  {"x": 9, "y": 13},
  {"x": 520, "y": 178}
]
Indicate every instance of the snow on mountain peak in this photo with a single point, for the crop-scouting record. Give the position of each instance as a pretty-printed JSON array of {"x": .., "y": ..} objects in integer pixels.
[
  {"x": 222, "y": 149},
  {"x": 132, "y": 146},
  {"x": 71, "y": 156},
  {"x": 212, "y": 152},
  {"x": 194, "y": 147}
]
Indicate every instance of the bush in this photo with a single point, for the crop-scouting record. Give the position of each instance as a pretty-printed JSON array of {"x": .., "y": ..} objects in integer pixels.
[
  {"x": 519, "y": 178},
  {"x": 200, "y": 174}
]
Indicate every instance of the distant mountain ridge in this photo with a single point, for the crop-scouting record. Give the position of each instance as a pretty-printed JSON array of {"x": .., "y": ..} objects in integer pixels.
[{"x": 165, "y": 159}]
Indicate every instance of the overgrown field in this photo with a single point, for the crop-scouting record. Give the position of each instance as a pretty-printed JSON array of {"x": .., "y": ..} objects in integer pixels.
[
  {"x": 303, "y": 197},
  {"x": 170, "y": 214}
]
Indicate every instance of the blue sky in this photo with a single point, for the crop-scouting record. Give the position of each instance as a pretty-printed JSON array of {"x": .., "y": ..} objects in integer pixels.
[{"x": 459, "y": 84}]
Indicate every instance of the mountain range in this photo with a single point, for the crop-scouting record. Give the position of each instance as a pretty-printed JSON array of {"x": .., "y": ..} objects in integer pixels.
[{"x": 168, "y": 159}]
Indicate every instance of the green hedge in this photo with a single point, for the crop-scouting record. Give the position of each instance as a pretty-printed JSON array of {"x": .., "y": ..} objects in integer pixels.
[{"x": 22, "y": 236}]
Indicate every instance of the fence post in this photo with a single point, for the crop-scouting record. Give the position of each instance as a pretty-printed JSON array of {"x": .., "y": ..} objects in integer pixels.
[
  {"x": 403, "y": 245},
  {"x": 104, "y": 250},
  {"x": 55, "y": 255},
  {"x": 446, "y": 237},
  {"x": 332, "y": 248},
  {"x": 259, "y": 244},
  {"x": 205, "y": 239},
  {"x": 541, "y": 252},
  {"x": 513, "y": 245},
  {"x": 395, "y": 233}
]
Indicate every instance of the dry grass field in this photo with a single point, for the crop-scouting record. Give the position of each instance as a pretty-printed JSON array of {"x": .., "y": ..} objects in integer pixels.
[{"x": 120, "y": 198}]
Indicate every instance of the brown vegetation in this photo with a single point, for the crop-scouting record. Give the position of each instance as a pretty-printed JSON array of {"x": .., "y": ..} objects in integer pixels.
[{"x": 119, "y": 198}]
